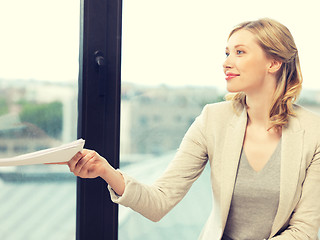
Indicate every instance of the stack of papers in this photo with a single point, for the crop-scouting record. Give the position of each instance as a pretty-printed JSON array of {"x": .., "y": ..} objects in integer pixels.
[{"x": 62, "y": 153}]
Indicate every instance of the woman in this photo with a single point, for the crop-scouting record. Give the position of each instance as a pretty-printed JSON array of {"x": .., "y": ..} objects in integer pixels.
[{"x": 263, "y": 150}]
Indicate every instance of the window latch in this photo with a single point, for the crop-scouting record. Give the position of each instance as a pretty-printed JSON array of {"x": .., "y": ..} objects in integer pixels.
[{"x": 100, "y": 65}]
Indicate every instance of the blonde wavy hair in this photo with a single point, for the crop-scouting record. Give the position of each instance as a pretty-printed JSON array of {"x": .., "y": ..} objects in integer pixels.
[{"x": 278, "y": 43}]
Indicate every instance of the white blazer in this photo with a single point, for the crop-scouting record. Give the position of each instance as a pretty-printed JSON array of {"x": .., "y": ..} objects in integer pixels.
[{"x": 217, "y": 136}]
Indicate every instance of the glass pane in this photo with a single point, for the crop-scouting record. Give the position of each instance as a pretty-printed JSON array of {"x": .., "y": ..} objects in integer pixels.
[
  {"x": 38, "y": 110},
  {"x": 172, "y": 55}
]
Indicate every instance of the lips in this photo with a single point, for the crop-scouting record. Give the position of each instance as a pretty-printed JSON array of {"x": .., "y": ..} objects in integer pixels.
[{"x": 230, "y": 76}]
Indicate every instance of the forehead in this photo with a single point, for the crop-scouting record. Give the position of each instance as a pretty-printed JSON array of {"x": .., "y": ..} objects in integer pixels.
[{"x": 242, "y": 37}]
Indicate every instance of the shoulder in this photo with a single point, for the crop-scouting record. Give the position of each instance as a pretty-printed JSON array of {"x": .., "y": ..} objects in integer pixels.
[
  {"x": 224, "y": 107},
  {"x": 308, "y": 120},
  {"x": 306, "y": 116},
  {"x": 218, "y": 112}
]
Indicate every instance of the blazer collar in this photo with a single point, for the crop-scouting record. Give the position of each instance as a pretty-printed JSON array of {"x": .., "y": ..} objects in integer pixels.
[
  {"x": 291, "y": 156},
  {"x": 231, "y": 154}
]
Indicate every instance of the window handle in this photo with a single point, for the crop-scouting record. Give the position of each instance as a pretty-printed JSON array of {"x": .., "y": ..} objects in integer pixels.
[{"x": 100, "y": 66}]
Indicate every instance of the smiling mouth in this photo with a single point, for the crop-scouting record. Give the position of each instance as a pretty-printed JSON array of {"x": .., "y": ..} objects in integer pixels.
[{"x": 231, "y": 76}]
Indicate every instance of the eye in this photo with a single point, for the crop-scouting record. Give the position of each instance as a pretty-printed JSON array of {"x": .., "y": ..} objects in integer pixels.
[
  {"x": 239, "y": 52},
  {"x": 227, "y": 54}
]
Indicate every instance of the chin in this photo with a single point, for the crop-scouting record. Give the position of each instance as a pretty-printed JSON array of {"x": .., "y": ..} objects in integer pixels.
[{"x": 232, "y": 89}]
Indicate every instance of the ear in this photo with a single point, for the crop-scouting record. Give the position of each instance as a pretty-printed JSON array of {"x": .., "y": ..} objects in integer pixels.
[{"x": 274, "y": 66}]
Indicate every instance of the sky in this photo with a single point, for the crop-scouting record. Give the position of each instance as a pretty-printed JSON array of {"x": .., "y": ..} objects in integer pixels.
[
  {"x": 172, "y": 42},
  {"x": 39, "y": 39}
]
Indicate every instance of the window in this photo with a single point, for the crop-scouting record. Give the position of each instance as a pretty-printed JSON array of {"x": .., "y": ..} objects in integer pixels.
[
  {"x": 172, "y": 54},
  {"x": 38, "y": 109},
  {"x": 39, "y": 79}
]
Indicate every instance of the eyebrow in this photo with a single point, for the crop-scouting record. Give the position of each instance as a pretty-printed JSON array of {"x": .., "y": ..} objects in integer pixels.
[{"x": 236, "y": 46}]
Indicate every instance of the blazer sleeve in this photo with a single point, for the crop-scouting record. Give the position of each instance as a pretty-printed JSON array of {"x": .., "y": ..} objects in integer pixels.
[
  {"x": 156, "y": 200},
  {"x": 305, "y": 220}
]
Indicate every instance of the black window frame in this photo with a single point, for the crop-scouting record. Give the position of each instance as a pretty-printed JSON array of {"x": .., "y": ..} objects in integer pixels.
[{"x": 99, "y": 112}]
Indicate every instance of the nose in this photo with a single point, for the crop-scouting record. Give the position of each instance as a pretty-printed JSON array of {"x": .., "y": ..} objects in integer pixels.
[{"x": 227, "y": 62}]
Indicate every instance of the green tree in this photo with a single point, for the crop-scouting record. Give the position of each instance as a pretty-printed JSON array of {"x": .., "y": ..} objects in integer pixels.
[
  {"x": 47, "y": 116},
  {"x": 3, "y": 106}
]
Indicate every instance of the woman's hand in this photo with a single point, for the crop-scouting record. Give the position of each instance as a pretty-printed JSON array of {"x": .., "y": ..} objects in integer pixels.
[{"x": 88, "y": 164}]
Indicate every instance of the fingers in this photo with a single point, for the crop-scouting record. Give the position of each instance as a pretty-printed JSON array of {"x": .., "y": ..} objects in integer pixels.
[
  {"x": 74, "y": 160},
  {"x": 78, "y": 163},
  {"x": 82, "y": 162},
  {"x": 57, "y": 163}
]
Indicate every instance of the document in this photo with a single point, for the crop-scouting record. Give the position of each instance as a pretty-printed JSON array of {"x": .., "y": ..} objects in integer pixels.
[{"x": 62, "y": 153}]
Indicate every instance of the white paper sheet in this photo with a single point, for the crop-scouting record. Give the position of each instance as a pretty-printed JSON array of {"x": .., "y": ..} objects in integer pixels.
[{"x": 62, "y": 153}]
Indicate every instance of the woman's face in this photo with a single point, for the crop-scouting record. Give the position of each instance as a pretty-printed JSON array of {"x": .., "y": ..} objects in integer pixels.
[{"x": 246, "y": 66}]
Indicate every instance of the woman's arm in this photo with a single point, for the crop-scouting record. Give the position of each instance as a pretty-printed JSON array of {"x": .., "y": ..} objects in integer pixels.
[
  {"x": 156, "y": 200},
  {"x": 89, "y": 164}
]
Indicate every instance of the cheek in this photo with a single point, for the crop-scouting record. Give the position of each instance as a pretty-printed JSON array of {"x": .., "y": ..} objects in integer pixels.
[{"x": 254, "y": 67}]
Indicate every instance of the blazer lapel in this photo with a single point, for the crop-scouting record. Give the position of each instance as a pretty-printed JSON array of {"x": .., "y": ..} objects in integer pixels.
[
  {"x": 291, "y": 156},
  {"x": 231, "y": 156}
]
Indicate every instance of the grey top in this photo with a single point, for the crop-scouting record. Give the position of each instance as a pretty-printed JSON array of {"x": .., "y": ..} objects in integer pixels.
[{"x": 255, "y": 199}]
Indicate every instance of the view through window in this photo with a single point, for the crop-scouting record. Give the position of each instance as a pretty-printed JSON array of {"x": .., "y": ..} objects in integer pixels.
[
  {"x": 38, "y": 110},
  {"x": 172, "y": 55}
]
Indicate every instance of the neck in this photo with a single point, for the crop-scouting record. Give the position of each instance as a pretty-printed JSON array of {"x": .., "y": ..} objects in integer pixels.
[{"x": 259, "y": 104}]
